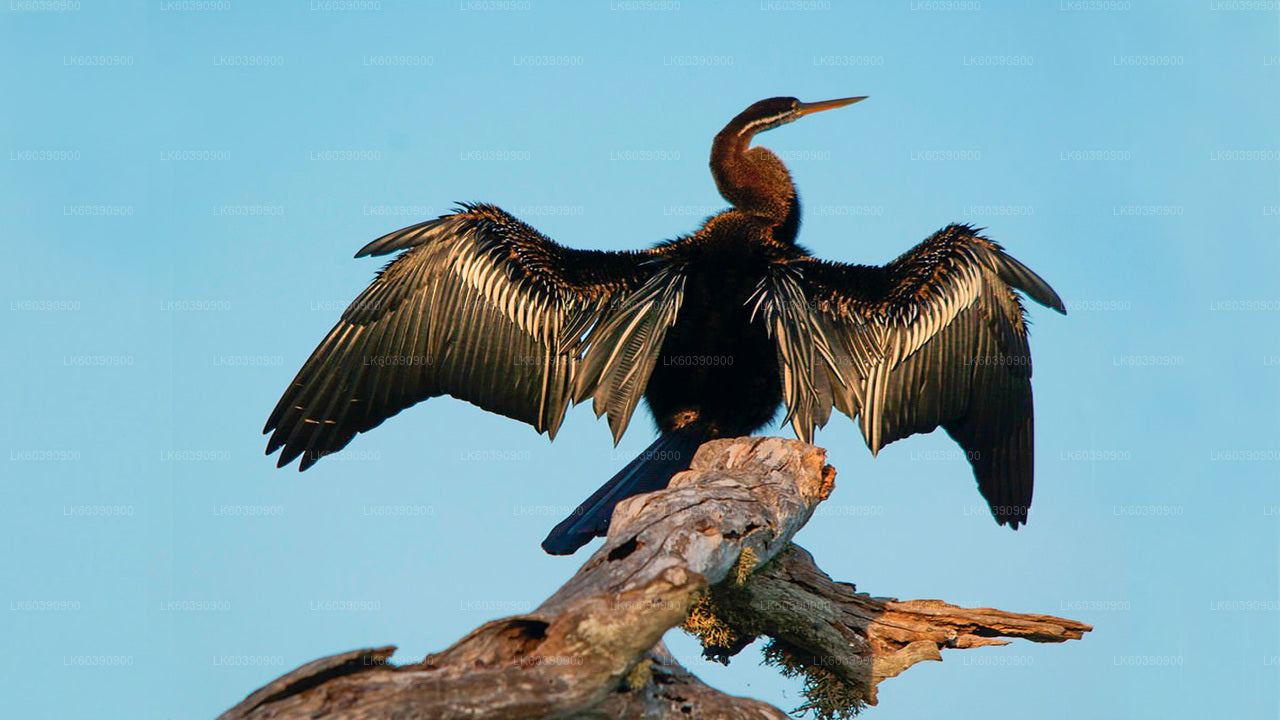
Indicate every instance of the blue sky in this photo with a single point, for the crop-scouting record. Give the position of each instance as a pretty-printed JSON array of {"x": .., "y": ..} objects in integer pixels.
[{"x": 184, "y": 184}]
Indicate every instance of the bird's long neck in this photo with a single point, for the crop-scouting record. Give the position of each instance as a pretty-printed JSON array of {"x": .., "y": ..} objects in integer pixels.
[{"x": 753, "y": 179}]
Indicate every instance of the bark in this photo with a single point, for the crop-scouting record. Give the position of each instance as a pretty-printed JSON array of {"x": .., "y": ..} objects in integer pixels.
[{"x": 711, "y": 552}]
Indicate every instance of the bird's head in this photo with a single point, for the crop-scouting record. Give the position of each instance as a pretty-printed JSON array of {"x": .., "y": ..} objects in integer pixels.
[
  {"x": 754, "y": 179},
  {"x": 772, "y": 112}
]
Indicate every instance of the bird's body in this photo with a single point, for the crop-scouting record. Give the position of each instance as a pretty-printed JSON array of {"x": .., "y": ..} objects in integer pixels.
[
  {"x": 716, "y": 331},
  {"x": 718, "y": 363}
]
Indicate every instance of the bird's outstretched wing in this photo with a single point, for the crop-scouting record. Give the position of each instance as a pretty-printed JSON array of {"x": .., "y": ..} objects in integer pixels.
[
  {"x": 935, "y": 338},
  {"x": 482, "y": 307}
]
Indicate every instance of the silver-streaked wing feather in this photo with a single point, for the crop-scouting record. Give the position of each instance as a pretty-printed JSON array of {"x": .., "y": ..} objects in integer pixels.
[
  {"x": 481, "y": 307},
  {"x": 935, "y": 338}
]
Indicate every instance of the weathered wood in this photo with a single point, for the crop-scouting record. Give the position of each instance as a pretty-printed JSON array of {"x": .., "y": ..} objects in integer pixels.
[
  {"x": 844, "y": 642},
  {"x": 593, "y": 649},
  {"x": 310, "y": 675}
]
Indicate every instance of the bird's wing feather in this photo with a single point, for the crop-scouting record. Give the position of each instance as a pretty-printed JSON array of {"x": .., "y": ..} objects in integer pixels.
[
  {"x": 482, "y": 307},
  {"x": 935, "y": 338},
  {"x": 624, "y": 347}
]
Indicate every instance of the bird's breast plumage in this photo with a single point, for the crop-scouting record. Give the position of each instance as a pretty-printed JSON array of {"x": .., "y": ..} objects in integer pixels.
[{"x": 718, "y": 362}]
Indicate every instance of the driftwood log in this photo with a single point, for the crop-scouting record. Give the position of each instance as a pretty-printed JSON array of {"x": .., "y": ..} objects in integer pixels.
[{"x": 712, "y": 552}]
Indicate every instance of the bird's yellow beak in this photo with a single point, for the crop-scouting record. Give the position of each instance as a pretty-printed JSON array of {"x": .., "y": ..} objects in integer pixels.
[{"x": 813, "y": 107}]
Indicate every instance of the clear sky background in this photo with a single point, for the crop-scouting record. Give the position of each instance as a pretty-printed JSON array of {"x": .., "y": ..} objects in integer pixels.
[{"x": 184, "y": 183}]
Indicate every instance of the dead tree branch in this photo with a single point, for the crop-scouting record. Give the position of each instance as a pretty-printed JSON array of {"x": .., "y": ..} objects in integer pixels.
[{"x": 715, "y": 542}]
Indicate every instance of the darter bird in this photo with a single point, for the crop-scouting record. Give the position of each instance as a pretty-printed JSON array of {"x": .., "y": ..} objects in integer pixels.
[{"x": 716, "y": 331}]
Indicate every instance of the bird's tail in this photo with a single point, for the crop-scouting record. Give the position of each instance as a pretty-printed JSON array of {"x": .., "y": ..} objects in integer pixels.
[{"x": 651, "y": 470}]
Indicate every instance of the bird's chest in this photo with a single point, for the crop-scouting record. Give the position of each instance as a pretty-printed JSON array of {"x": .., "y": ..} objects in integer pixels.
[{"x": 716, "y": 317}]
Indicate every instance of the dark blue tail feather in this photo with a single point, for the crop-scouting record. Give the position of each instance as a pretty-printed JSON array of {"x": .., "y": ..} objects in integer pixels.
[{"x": 651, "y": 470}]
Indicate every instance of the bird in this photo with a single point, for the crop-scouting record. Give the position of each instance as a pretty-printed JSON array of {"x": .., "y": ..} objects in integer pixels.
[{"x": 717, "y": 331}]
